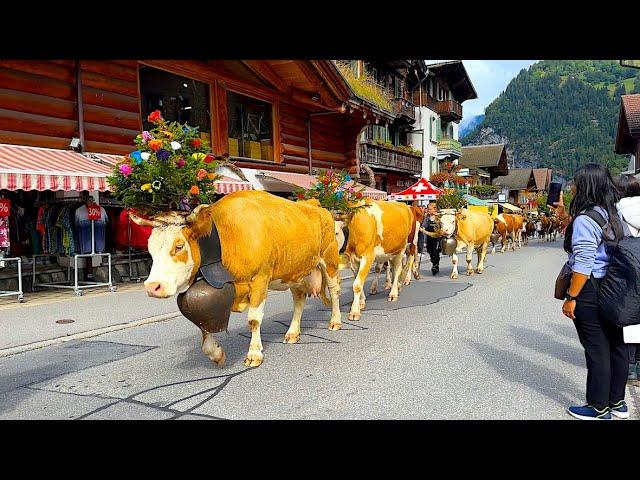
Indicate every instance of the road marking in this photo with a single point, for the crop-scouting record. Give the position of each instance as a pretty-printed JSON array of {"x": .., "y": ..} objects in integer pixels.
[{"x": 88, "y": 334}]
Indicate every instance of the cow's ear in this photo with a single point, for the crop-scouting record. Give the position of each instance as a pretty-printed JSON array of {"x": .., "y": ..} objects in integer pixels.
[{"x": 200, "y": 220}]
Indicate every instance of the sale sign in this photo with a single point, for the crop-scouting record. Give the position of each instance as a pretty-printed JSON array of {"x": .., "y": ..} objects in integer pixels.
[
  {"x": 95, "y": 212},
  {"x": 5, "y": 207}
]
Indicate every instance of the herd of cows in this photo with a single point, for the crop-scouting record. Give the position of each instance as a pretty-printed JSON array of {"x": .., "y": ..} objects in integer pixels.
[{"x": 267, "y": 242}]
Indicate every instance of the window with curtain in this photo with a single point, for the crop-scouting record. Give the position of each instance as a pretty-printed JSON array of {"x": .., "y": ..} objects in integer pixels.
[{"x": 250, "y": 127}]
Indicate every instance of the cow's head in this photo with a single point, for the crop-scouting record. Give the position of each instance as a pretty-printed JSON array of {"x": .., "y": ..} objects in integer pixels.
[
  {"x": 448, "y": 221},
  {"x": 174, "y": 249}
]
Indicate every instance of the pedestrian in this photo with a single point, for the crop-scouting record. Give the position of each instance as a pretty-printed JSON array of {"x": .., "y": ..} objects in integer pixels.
[
  {"x": 605, "y": 351},
  {"x": 430, "y": 224},
  {"x": 629, "y": 212}
]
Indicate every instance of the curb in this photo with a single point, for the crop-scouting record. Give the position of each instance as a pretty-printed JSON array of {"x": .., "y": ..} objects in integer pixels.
[{"x": 87, "y": 334}]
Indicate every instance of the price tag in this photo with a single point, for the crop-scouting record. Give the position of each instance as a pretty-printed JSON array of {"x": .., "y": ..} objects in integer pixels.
[
  {"x": 95, "y": 212},
  {"x": 5, "y": 207}
]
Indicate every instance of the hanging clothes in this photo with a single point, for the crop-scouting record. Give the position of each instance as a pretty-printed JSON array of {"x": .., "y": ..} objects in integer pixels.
[
  {"x": 41, "y": 228},
  {"x": 5, "y": 239},
  {"x": 65, "y": 224},
  {"x": 83, "y": 229}
]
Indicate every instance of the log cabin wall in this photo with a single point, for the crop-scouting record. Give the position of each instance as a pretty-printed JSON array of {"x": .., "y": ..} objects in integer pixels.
[
  {"x": 110, "y": 96},
  {"x": 39, "y": 107},
  {"x": 38, "y": 103}
]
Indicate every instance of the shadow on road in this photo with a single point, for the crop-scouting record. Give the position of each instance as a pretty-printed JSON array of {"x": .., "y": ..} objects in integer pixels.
[
  {"x": 517, "y": 369},
  {"x": 565, "y": 328},
  {"x": 546, "y": 343}
]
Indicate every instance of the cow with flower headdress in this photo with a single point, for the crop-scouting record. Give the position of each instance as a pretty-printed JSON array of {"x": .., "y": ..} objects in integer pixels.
[{"x": 225, "y": 256}]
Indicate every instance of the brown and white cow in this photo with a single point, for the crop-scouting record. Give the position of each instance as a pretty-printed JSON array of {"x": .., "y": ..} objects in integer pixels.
[
  {"x": 267, "y": 242},
  {"x": 378, "y": 233},
  {"x": 472, "y": 229}
]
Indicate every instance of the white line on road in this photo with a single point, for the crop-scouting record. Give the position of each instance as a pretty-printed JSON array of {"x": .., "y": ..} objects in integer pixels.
[{"x": 89, "y": 333}]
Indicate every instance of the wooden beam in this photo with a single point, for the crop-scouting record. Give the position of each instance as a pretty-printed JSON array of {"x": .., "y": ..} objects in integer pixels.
[{"x": 266, "y": 73}]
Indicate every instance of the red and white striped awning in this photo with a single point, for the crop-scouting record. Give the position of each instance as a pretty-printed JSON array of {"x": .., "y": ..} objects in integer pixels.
[
  {"x": 224, "y": 184},
  {"x": 35, "y": 168}
]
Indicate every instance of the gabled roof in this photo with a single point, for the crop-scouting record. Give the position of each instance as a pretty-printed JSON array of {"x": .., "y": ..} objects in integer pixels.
[
  {"x": 517, "y": 179},
  {"x": 542, "y": 177},
  {"x": 482, "y": 155},
  {"x": 628, "y": 124},
  {"x": 457, "y": 78}
]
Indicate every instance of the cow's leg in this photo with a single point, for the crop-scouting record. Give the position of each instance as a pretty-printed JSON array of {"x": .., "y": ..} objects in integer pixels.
[
  {"x": 299, "y": 298},
  {"x": 332, "y": 279},
  {"x": 358, "y": 286},
  {"x": 482, "y": 254},
  {"x": 388, "y": 282},
  {"x": 454, "y": 261},
  {"x": 470, "y": 248},
  {"x": 212, "y": 349},
  {"x": 376, "y": 274},
  {"x": 493, "y": 250},
  {"x": 411, "y": 258},
  {"x": 396, "y": 264},
  {"x": 504, "y": 241},
  {"x": 256, "y": 313}
]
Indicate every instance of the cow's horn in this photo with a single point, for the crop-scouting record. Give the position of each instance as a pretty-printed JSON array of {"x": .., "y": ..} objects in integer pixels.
[
  {"x": 194, "y": 214},
  {"x": 145, "y": 222}
]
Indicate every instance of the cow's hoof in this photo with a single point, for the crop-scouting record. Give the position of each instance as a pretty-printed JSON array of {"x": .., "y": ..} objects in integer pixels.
[
  {"x": 469, "y": 273},
  {"x": 406, "y": 282},
  {"x": 354, "y": 316},
  {"x": 373, "y": 291},
  {"x": 291, "y": 337},
  {"x": 362, "y": 305},
  {"x": 333, "y": 326},
  {"x": 254, "y": 359},
  {"x": 454, "y": 276},
  {"x": 220, "y": 359},
  {"x": 387, "y": 286},
  {"x": 393, "y": 298},
  {"x": 479, "y": 271}
]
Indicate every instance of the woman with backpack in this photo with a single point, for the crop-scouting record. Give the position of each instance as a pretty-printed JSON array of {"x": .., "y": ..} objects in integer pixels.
[
  {"x": 589, "y": 255},
  {"x": 629, "y": 212}
]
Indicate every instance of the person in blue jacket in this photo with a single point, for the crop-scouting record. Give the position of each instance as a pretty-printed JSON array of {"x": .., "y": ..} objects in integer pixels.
[{"x": 605, "y": 351}]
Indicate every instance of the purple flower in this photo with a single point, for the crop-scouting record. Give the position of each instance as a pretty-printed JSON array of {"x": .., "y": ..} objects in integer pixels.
[
  {"x": 146, "y": 136},
  {"x": 163, "y": 155},
  {"x": 180, "y": 163}
]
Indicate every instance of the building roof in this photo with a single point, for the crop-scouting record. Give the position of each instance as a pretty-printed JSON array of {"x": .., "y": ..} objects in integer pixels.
[
  {"x": 457, "y": 77},
  {"x": 517, "y": 179},
  {"x": 628, "y": 124},
  {"x": 542, "y": 177},
  {"x": 474, "y": 156}
]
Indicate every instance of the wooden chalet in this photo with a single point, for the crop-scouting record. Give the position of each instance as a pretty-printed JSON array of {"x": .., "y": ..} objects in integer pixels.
[{"x": 628, "y": 134}]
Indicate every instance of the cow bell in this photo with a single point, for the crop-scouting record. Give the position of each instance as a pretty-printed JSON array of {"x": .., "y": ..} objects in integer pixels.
[
  {"x": 495, "y": 237},
  {"x": 206, "y": 306},
  {"x": 448, "y": 245}
]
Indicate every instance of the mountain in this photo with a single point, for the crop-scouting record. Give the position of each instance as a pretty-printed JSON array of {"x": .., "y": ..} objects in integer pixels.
[
  {"x": 469, "y": 123},
  {"x": 560, "y": 114}
]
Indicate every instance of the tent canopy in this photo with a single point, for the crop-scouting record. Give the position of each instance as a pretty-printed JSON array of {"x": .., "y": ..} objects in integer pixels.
[
  {"x": 421, "y": 190},
  {"x": 508, "y": 206}
]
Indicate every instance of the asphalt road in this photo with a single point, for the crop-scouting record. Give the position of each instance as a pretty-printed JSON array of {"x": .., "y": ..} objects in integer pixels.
[{"x": 491, "y": 346}]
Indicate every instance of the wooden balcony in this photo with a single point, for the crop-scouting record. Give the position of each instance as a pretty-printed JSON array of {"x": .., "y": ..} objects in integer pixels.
[
  {"x": 383, "y": 157},
  {"x": 448, "y": 147},
  {"x": 449, "y": 110},
  {"x": 405, "y": 108}
]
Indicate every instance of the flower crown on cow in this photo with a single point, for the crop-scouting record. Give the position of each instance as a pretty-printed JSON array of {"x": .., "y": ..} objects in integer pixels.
[
  {"x": 335, "y": 191},
  {"x": 171, "y": 169}
]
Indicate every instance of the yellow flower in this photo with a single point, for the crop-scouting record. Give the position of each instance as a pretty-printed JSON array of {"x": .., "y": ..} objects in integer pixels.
[
  {"x": 198, "y": 156},
  {"x": 167, "y": 133},
  {"x": 146, "y": 186}
]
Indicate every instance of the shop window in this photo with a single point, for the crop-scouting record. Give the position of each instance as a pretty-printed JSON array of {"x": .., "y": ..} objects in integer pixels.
[
  {"x": 250, "y": 127},
  {"x": 180, "y": 99}
]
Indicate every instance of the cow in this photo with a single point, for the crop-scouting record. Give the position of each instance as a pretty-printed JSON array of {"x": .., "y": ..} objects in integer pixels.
[
  {"x": 472, "y": 229},
  {"x": 509, "y": 227},
  {"x": 378, "y": 232},
  {"x": 544, "y": 228},
  {"x": 530, "y": 230},
  {"x": 267, "y": 243}
]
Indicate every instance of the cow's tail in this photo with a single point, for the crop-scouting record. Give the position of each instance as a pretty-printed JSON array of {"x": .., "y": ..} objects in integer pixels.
[{"x": 324, "y": 288}]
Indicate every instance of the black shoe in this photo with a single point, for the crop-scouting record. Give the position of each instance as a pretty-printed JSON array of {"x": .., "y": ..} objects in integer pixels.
[{"x": 435, "y": 269}]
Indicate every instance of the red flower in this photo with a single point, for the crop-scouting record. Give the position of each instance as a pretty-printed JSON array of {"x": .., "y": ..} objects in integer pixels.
[
  {"x": 155, "y": 117},
  {"x": 155, "y": 145},
  {"x": 196, "y": 143},
  {"x": 208, "y": 159},
  {"x": 359, "y": 195},
  {"x": 300, "y": 195}
]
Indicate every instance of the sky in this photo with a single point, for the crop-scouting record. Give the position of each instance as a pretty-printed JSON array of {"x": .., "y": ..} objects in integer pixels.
[{"x": 490, "y": 78}]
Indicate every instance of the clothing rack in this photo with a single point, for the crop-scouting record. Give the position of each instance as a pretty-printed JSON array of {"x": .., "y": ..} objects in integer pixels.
[
  {"x": 78, "y": 285},
  {"x": 19, "y": 292}
]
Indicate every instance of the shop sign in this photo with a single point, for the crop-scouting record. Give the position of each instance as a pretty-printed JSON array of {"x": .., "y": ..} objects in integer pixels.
[
  {"x": 95, "y": 212},
  {"x": 5, "y": 207}
]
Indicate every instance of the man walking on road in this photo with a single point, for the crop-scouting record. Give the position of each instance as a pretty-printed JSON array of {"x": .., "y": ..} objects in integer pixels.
[{"x": 433, "y": 244}]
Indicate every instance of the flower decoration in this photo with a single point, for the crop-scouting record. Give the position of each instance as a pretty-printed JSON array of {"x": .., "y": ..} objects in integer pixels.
[
  {"x": 335, "y": 191},
  {"x": 169, "y": 167}
]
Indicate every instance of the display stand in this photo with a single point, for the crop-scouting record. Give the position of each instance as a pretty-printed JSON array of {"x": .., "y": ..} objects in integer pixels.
[
  {"x": 131, "y": 278},
  {"x": 19, "y": 293},
  {"x": 78, "y": 285}
]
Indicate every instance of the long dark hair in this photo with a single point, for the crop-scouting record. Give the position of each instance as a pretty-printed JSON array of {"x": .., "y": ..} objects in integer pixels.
[{"x": 595, "y": 187}]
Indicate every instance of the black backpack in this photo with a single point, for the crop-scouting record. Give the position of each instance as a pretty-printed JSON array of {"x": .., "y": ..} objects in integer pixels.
[{"x": 619, "y": 290}]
